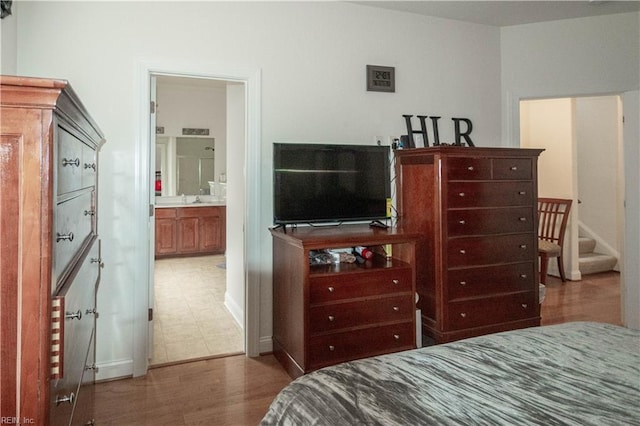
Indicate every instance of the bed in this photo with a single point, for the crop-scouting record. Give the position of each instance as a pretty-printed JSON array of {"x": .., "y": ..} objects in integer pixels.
[{"x": 580, "y": 373}]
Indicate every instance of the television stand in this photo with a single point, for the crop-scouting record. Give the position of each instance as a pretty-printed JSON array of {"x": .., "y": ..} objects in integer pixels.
[{"x": 327, "y": 314}]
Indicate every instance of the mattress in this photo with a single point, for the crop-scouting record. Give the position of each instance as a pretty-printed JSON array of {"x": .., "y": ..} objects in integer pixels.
[{"x": 579, "y": 373}]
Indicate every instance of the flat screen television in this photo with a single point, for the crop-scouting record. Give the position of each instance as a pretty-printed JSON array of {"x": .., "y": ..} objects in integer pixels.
[{"x": 316, "y": 183}]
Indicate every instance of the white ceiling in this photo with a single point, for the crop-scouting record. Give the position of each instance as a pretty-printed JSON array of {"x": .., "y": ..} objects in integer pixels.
[{"x": 505, "y": 13}]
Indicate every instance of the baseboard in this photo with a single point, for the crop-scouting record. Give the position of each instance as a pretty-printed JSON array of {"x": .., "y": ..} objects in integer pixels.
[
  {"x": 234, "y": 309},
  {"x": 266, "y": 345},
  {"x": 114, "y": 370}
]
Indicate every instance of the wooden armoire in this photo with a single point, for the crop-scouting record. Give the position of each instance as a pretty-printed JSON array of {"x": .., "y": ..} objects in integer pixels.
[
  {"x": 477, "y": 259},
  {"x": 49, "y": 252}
]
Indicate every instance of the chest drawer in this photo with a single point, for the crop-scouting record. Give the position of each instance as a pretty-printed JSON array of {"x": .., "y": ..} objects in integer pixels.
[
  {"x": 77, "y": 320},
  {"x": 491, "y": 310},
  {"x": 489, "y": 221},
  {"x": 74, "y": 222},
  {"x": 339, "y": 347},
  {"x": 76, "y": 163},
  {"x": 493, "y": 249},
  {"x": 468, "y": 168},
  {"x": 331, "y": 288},
  {"x": 489, "y": 194},
  {"x": 487, "y": 280},
  {"x": 513, "y": 168},
  {"x": 360, "y": 313}
]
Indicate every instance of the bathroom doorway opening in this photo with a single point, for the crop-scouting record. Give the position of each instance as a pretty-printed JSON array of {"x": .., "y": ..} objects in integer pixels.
[{"x": 198, "y": 300}]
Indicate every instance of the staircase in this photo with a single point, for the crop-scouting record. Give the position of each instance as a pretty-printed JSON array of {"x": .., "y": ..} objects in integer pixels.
[{"x": 591, "y": 262}]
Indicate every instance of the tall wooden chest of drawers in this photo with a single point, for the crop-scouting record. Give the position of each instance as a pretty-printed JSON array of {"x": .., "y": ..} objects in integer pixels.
[
  {"x": 327, "y": 314},
  {"x": 49, "y": 252},
  {"x": 477, "y": 259}
]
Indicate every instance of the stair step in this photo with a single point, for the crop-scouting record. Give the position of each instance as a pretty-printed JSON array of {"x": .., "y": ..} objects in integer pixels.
[
  {"x": 586, "y": 245},
  {"x": 594, "y": 263}
]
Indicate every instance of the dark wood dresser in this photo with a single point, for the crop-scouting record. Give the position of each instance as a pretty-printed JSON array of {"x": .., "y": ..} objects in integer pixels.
[
  {"x": 477, "y": 259},
  {"x": 327, "y": 314},
  {"x": 50, "y": 253}
]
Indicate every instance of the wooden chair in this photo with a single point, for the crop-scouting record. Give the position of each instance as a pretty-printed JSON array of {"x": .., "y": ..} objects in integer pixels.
[{"x": 553, "y": 214}]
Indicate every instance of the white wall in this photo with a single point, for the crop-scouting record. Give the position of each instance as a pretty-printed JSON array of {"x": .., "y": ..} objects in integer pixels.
[
  {"x": 236, "y": 131},
  {"x": 588, "y": 56},
  {"x": 195, "y": 106},
  {"x": 8, "y": 42},
  {"x": 312, "y": 58},
  {"x": 550, "y": 124},
  {"x": 597, "y": 133}
]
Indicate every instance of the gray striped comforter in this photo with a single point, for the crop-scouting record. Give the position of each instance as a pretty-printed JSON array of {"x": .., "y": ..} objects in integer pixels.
[{"x": 570, "y": 374}]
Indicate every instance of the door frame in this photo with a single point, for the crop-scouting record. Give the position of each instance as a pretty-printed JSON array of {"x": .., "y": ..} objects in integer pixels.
[{"x": 142, "y": 187}]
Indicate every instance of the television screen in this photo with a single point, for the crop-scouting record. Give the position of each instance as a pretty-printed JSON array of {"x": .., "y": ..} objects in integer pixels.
[{"x": 330, "y": 183}]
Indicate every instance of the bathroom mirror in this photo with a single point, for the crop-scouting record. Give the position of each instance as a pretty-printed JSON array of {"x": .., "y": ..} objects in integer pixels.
[{"x": 184, "y": 165}]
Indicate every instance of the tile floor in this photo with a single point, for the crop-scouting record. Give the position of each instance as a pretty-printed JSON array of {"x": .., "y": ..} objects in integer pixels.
[{"x": 190, "y": 319}]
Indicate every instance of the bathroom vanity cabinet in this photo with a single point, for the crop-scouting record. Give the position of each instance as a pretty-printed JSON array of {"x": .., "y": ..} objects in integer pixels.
[{"x": 188, "y": 231}]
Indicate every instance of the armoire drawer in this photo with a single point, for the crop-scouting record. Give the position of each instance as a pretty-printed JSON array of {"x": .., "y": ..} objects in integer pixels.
[
  {"x": 490, "y": 221},
  {"x": 361, "y": 313},
  {"x": 338, "y": 347},
  {"x": 76, "y": 163},
  {"x": 487, "y": 280},
  {"x": 331, "y": 288},
  {"x": 74, "y": 222},
  {"x": 491, "y": 310},
  {"x": 489, "y": 194},
  {"x": 491, "y": 249}
]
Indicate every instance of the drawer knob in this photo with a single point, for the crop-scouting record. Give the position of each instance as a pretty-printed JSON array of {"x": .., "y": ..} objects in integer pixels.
[
  {"x": 396, "y": 336},
  {"x": 65, "y": 398},
  {"x": 97, "y": 260},
  {"x": 331, "y": 318},
  {"x": 90, "y": 166},
  {"x": 524, "y": 306},
  {"x": 463, "y": 314},
  {"x": 522, "y": 192},
  {"x": 463, "y": 251},
  {"x": 330, "y": 289},
  {"x": 523, "y": 246},
  {"x": 73, "y": 315},
  {"x": 523, "y": 275},
  {"x": 470, "y": 168},
  {"x": 64, "y": 237},
  {"x": 332, "y": 348},
  {"x": 396, "y": 309},
  {"x": 67, "y": 162},
  {"x": 522, "y": 219},
  {"x": 89, "y": 212},
  {"x": 93, "y": 367},
  {"x": 395, "y": 282},
  {"x": 513, "y": 168},
  {"x": 462, "y": 222},
  {"x": 461, "y": 194},
  {"x": 463, "y": 283},
  {"x": 91, "y": 422}
]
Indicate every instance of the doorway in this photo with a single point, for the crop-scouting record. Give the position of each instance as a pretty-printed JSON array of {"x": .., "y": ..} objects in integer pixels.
[
  {"x": 582, "y": 161},
  {"x": 197, "y": 312}
]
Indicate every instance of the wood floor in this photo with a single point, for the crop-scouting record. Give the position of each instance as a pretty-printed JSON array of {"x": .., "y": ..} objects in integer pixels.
[{"x": 238, "y": 390}]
